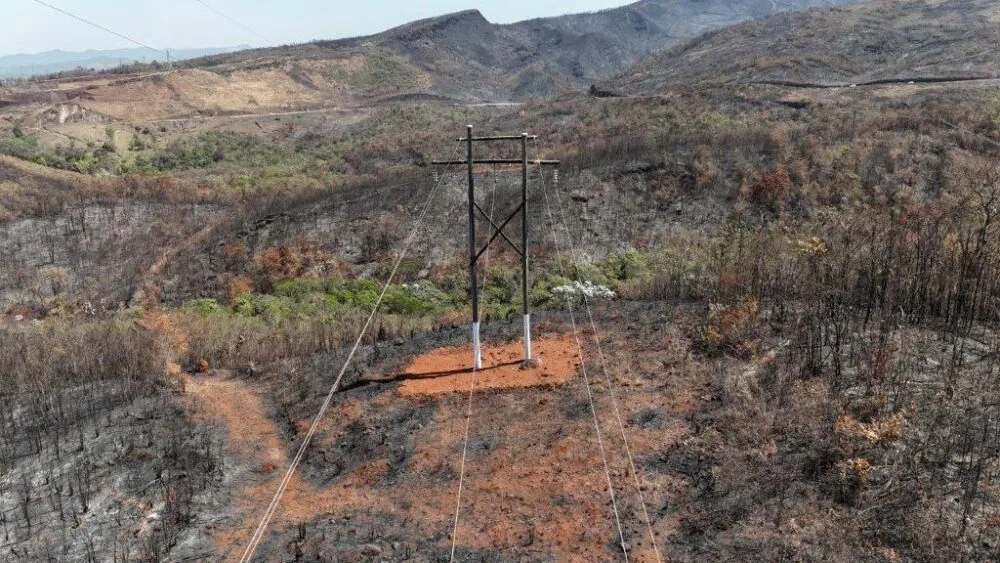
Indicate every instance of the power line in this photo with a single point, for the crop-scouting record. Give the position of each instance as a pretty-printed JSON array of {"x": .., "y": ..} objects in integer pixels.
[
  {"x": 233, "y": 21},
  {"x": 607, "y": 376},
  {"x": 583, "y": 370},
  {"x": 258, "y": 534},
  {"x": 101, "y": 27},
  {"x": 610, "y": 385},
  {"x": 621, "y": 426},
  {"x": 472, "y": 390},
  {"x": 461, "y": 473}
]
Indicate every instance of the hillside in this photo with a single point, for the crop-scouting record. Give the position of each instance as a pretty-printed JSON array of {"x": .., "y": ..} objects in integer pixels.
[
  {"x": 460, "y": 57},
  {"x": 802, "y": 348},
  {"x": 536, "y": 57},
  {"x": 767, "y": 315},
  {"x": 884, "y": 40}
]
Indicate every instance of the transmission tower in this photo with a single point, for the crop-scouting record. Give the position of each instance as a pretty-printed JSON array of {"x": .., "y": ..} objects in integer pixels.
[{"x": 475, "y": 252}]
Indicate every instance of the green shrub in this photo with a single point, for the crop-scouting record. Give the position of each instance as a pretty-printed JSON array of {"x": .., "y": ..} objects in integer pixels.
[
  {"x": 271, "y": 308},
  {"x": 212, "y": 148},
  {"x": 627, "y": 265},
  {"x": 19, "y": 146},
  {"x": 419, "y": 298},
  {"x": 401, "y": 300},
  {"x": 586, "y": 272},
  {"x": 354, "y": 292},
  {"x": 298, "y": 288},
  {"x": 540, "y": 294},
  {"x": 204, "y": 307},
  {"x": 415, "y": 299},
  {"x": 502, "y": 290}
]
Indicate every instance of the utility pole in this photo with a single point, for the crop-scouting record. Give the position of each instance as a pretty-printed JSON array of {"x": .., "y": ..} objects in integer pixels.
[
  {"x": 475, "y": 253},
  {"x": 525, "y": 311},
  {"x": 477, "y": 355}
]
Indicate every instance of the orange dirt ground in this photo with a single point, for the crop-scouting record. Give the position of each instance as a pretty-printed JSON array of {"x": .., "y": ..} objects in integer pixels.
[
  {"x": 254, "y": 439},
  {"x": 541, "y": 483},
  {"x": 448, "y": 370}
]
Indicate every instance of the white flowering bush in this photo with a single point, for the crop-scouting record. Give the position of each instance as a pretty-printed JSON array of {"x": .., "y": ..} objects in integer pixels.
[{"x": 577, "y": 291}]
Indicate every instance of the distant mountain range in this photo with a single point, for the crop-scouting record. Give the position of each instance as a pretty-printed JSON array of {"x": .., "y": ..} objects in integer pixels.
[
  {"x": 463, "y": 56},
  {"x": 876, "y": 41},
  {"x": 460, "y": 57},
  {"x": 57, "y": 61}
]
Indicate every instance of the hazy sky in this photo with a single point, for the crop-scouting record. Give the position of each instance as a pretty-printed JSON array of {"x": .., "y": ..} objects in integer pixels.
[{"x": 29, "y": 27}]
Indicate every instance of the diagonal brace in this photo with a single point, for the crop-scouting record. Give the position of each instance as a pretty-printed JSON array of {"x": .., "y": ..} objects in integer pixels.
[
  {"x": 501, "y": 228},
  {"x": 499, "y": 232}
]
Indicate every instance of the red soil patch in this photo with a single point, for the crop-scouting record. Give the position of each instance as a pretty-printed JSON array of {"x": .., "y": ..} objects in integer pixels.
[
  {"x": 448, "y": 370},
  {"x": 253, "y": 437},
  {"x": 538, "y": 480}
]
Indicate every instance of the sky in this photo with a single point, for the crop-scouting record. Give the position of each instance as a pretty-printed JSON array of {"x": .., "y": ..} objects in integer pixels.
[{"x": 30, "y": 27}]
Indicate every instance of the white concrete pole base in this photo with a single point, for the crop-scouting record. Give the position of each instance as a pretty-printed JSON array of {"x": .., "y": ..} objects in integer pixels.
[
  {"x": 477, "y": 352},
  {"x": 529, "y": 359}
]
